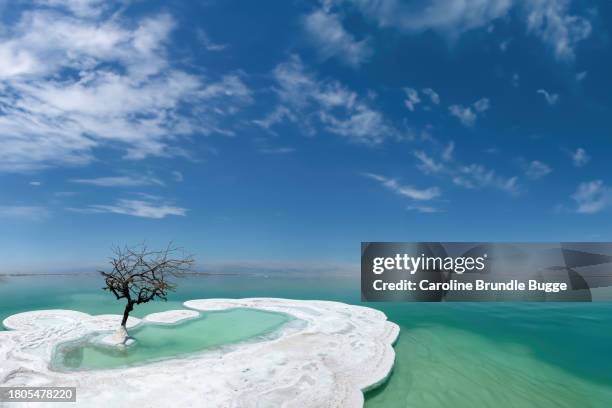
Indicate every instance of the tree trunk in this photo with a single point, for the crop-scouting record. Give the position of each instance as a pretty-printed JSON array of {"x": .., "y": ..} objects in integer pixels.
[{"x": 128, "y": 308}]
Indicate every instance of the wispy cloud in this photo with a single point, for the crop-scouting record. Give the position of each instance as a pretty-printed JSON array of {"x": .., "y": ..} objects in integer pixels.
[
  {"x": 362, "y": 125},
  {"x": 433, "y": 95},
  {"x": 580, "y": 157},
  {"x": 74, "y": 80},
  {"x": 536, "y": 169},
  {"x": 299, "y": 87},
  {"x": 446, "y": 16},
  {"x": 551, "y": 21},
  {"x": 276, "y": 150},
  {"x": 178, "y": 176},
  {"x": 581, "y": 76},
  {"x": 81, "y": 8},
  {"x": 475, "y": 176},
  {"x": 467, "y": 115},
  {"x": 503, "y": 46},
  {"x": 470, "y": 176},
  {"x": 406, "y": 190},
  {"x": 328, "y": 105},
  {"x": 482, "y": 105},
  {"x": 412, "y": 98},
  {"x": 137, "y": 208},
  {"x": 551, "y": 98},
  {"x": 592, "y": 197},
  {"x": 23, "y": 212},
  {"x": 427, "y": 164},
  {"x": 449, "y": 151},
  {"x": 425, "y": 209},
  {"x": 120, "y": 181},
  {"x": 209, "y": 44},
  {"x": 278, "y": 115},
  {"x": 326, "y": 32}
]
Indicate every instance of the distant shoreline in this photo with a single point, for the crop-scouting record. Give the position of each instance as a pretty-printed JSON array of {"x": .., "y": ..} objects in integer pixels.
[
  {"x": 18, "y": 275},
  {"x": 260, "y": 274}
]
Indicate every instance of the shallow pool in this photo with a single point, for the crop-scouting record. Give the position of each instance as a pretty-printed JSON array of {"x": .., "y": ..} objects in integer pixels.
[{"x": 161, "y": 341}]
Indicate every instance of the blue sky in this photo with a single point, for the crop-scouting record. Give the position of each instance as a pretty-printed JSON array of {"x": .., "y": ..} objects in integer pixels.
[{"x": 290, "y": 131}]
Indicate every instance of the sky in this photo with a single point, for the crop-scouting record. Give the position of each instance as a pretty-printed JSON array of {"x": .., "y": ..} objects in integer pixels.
[{"x": 289, "y": 131}]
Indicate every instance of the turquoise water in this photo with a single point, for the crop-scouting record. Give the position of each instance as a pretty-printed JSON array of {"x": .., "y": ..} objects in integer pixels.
[
  {"x": 158, "y": 341},
  {"x": 500, "y": 355},
  {"x": 448, "y": 355}
]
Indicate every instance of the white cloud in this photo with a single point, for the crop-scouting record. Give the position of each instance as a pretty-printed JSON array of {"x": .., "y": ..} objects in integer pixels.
[
  {"x": 82, "y": 8},
  {"x": 449, "y": 17},
  {"x": 35, "y": 183},
  {"x": 276, "y": 150},
  {"x": 482, "y": 105},
  {"x": 515, "y": 80},
  {"x": 74, "y": 82},
  {"x": 471, "y": 176},
  {"x": 331, "y": 39},
  {"x": 548, "y": 20},
  {"x": 433, "y": 95},
  {"x": 328, "y": 104},
  {"x": 406, "y": 190},
  {"x": 536, "y": 170},
  {"x": 475, "y": 176},
  {"x": 178, "y": 176},
  {"x": 209, "y": 44},
  {"x": 278, "y": 115},
  {"x": 580, "y": 157},
  {"x": 425, "y": 209},
  {"x": 447, "y": 153},
  {"x": 467, "y": 115},
  {"x": 427, "y": 164},
  {"x": 363, "y": 125},
  {"x": 32, "y": 213},
  {"x": 300, "y": 88},
  {"x": 551, "y": 21},
  {"x": 592, "y": 197},
  {"x": 580, "y": 76},
  {"x": 120, "y": 181},
  {"x": 503, "y": 46},
  {"x": 412, "y": 98},
  {"x": 551, "y": 98},
  {"x": 136, "y": 208}
]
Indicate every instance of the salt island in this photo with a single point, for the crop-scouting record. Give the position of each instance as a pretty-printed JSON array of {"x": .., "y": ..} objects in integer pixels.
[{"x": 319, "y": 354}]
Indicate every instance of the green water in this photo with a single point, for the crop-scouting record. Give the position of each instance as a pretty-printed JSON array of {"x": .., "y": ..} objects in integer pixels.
[
  {"x": 500, "y": 355},
  {"x": 448, "y": 355},
  {"x": 157, "y": 341}
]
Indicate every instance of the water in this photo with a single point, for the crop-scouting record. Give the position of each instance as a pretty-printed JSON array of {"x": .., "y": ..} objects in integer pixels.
[
  {"x": 158, "y": 341},
  {"x": 500, "y": 355},
  {"x": 448, "y": 355}
]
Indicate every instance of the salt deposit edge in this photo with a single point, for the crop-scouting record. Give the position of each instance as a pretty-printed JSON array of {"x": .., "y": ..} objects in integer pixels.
[{"x": 340, "y": 351}]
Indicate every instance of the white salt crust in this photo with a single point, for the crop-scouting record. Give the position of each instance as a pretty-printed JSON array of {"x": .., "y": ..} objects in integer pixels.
[{"x": 326, "y": 358}]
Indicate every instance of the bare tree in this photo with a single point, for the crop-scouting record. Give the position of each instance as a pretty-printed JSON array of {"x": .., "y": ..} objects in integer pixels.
[{"x": 140, "y": 275}]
